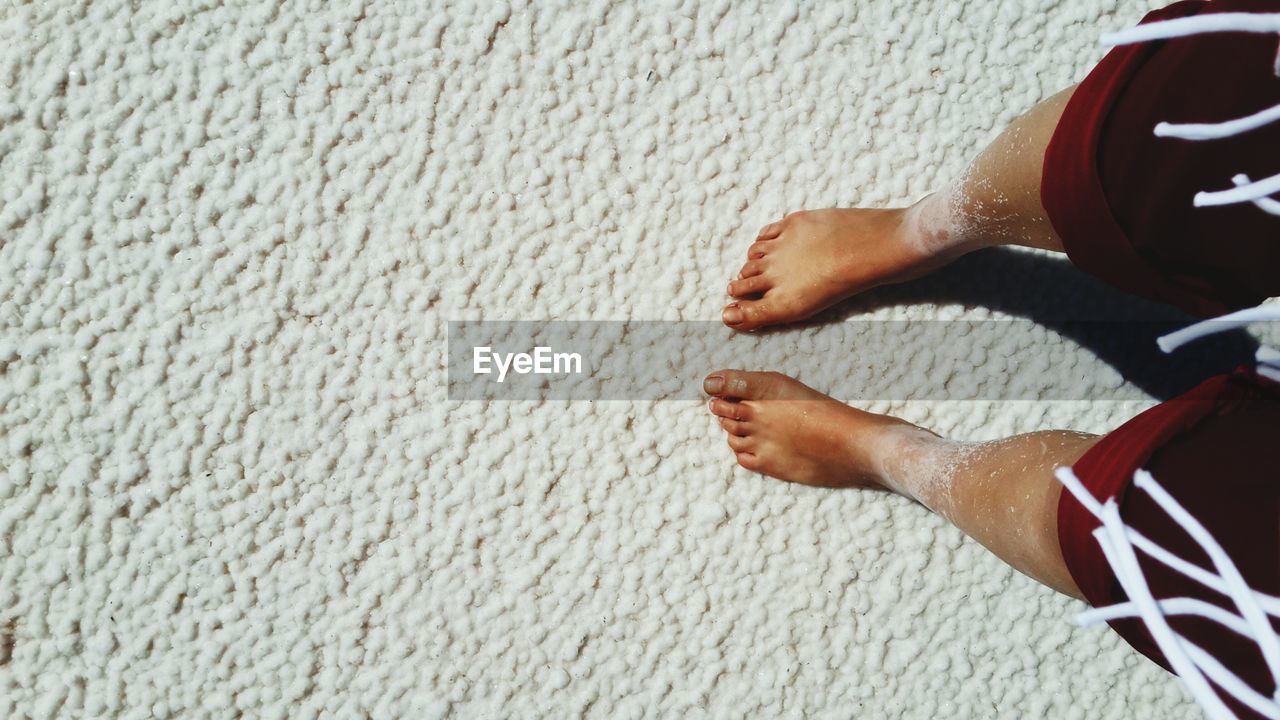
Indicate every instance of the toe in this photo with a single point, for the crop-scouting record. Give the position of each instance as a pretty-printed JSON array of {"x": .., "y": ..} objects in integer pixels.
[
  {"x": 735, "y": 427},
  {"x": 729, "y": 410},
  {"x": 749, "y": 461},
  {"x": 759, "y": 250},
  {"x": 747, "y": 314},
  {"x": 739, "y": 444},
  {"x": 713, "y": 384},
  {"x": 742, "y": 385},
  {"x": 770, "y": 231},
  {"x": 751, "y": 268},
  {"x": 732, "y": 315},
  {"x": 749, "y": 286}
]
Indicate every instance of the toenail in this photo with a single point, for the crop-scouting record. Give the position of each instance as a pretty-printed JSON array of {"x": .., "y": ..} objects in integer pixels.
[
  {"x": 713, "y": 384},
  {"x": 732, "y": 315}
]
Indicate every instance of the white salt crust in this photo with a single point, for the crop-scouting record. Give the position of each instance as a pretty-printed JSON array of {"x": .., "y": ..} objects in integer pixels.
[{"x": 230, "y": 480}]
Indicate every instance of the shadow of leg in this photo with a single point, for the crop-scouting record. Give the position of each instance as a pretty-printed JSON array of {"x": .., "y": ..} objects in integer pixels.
[{"x": 1121, "y": 329}]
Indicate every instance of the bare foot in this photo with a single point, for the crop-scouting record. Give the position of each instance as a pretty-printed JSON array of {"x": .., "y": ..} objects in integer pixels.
[
  {"x": 780, "y": 427},
  {"x": 810, "y": 260}
]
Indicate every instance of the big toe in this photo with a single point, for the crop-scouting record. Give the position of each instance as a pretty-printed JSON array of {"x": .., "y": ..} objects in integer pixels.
[
  {"x": 739, "y": 384},
  {"x": 748, "y": 314}
]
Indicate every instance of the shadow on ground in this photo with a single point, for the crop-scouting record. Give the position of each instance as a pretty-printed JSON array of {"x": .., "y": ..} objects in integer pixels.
[{"x": 1121, "y": 329}]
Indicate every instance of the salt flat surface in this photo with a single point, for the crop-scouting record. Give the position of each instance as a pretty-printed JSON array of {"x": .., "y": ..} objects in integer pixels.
[{"x": 230, "y": 478}]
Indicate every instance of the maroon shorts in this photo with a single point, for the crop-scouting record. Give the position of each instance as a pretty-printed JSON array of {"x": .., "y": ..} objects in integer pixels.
[
  {"x": 1121, "y": 201},
  {"x": 1216, "y": 449},
  {"x": 1121, "y": 198}
]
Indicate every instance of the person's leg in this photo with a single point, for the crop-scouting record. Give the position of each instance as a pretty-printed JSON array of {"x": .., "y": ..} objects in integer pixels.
[
  {"x": 811, "y": 260},
  {"x": 996, "y": 200},
  {"x": 1001, "y": 493}
]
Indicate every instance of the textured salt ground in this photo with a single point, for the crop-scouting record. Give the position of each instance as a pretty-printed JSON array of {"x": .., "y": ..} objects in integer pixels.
[{"x": 230, "y": 479}]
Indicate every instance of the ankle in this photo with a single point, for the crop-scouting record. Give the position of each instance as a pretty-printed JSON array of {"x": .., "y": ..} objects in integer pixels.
[
  {"x": 872, "y": 447},
  {"x": 917, "y": 463},
  {"x": 939, "y": 225}
]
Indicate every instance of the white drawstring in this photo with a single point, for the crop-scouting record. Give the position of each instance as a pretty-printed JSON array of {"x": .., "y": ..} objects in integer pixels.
[
  {"x": 1199, "y": 24},
  {"x": 1267, "y": 204},
  {"x": 1215, "y": 131},
  {"x": 1193, "y": 665}
]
